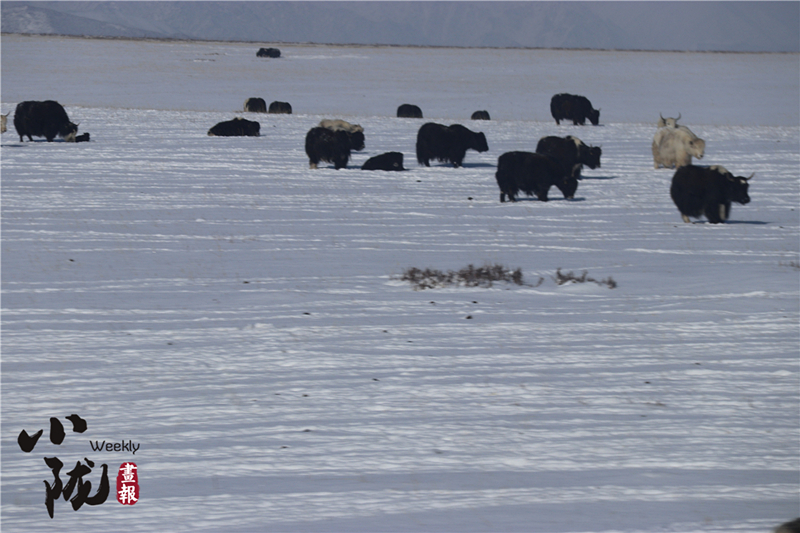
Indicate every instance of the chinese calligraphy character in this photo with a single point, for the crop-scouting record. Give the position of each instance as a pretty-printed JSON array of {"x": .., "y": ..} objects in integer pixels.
[{"x": 75, "y": 481}]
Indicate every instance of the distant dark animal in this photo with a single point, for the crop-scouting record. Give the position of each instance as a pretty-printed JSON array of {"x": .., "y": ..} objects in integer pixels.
[
  {"x": 668, "y": 122},
  {"x": 3, "y": 121},
  {"x": 354, "y": 131},
  {"x": 573, "y": 107},
  {"x": 532, "y": 174},
  {"x": 387, "y": 161},
  {"x": 268, "y": 52},
  {"x": 332, "y": 146},
  {"x": 82, "y": 138},
  {"x": 278, "y": 108},
  {"x": 707, "y": 191},
  {"x": 447, "y": 143},
  {"x": 571, "y": 153},
  {"x": 43, "y": 119},
  {"x": 409, "y": 111},
  {"x": 255, "y": 105},
  {"x": 674, "y": 147},
  {"x": 237, "y": 127},
  {"x": 480, "y": 115},
  {"x": 792, "y": 526}
]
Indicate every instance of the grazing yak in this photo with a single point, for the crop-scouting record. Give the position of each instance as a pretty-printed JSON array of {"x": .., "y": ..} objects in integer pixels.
[
  {"x": 668, "y": 122},
  {"x": 387, "y": 161},
  {"x": 3, "y": 121},
  {"x": 792, "y": 526},
  {"x": 354, "y": 131},
  {"x": 280, "y": 108},
  {"x": 480, "y": 115},
  {"x": 255, "y": 105},
  {"x": 573, "y": 107},
  {"x": 447, "y": 143},
  {"x": 332, "y": 146},
  {"x": 532, "y": 174},
  {"x": 238, "y": 127},
  {"x": 268, "y": 52},
  {"x": 674, "y": 147},
  {"x": 708, "y": 191},
  {"x": 409, "y": 111},
  {"x": 43, "y": 119},
  {"x": 571, "y": 153}
]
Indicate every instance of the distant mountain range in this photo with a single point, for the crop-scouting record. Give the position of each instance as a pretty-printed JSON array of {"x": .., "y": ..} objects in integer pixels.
[{"x": 686, "y": 26}]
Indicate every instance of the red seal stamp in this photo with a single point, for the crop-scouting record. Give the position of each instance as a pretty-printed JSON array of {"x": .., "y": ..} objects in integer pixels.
[{"x": 127, "y": 484}]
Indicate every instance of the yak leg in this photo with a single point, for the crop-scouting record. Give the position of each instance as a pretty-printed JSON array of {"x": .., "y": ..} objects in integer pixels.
[
  {"x": 723, "y": 212},
  {"x": 685, "y": 218}
]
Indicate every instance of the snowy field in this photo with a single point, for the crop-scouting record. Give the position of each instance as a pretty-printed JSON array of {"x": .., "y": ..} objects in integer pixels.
[{"x": 239, "y": 317}]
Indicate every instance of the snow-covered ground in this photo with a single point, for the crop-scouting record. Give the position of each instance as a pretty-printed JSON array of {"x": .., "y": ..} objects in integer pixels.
[{"x": 239, "y": 317}]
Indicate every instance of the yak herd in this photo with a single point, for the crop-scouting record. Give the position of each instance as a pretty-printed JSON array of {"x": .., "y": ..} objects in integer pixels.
[{"x": 696, "y": 191}]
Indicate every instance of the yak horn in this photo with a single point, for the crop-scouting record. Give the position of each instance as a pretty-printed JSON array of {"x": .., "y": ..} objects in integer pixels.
[
  {"x": 679, "y": 117},
  {"x": 750, "y": 176}
]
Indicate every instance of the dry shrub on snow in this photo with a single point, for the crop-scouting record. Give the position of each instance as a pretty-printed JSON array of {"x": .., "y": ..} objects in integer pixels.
[
  {"x": 561, "y": 278},
  {"x": 469, "y": 276}
]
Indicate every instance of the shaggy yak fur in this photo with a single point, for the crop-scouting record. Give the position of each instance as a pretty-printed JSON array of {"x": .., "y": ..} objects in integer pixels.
[
  {"x": 447, "y": 143},
  {"x": 43, "y": 119},
  {"x": 532, "y": 174},
  {"x": 708, "y": 191},
  {"x": 237, "y": 127},
  {"x": 573, "y": 107}
]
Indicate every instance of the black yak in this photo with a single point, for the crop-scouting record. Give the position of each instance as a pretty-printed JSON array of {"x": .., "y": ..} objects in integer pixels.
[
  {"x": 238, "y": 127},
  {"x": 43, "y": 119},
  {"x": 480, "y": 115},
  {"x": 571, "y": 153},
  {"x": 268, "y": 52},
  {"x": 708, "y": 191},
  {"x": 277, "y": 108},
  {"x": 332, "y": 146},
  {"x": 793, "y": 526},
  {"x": 387, "y": 161},
  {"x": 447, "y": 143},
  {"x": 573, "y": 107},
  {"x": 255, "y": 105},
  {"x": 409, "y": 111},
  {"x": 532, "y": 174}
]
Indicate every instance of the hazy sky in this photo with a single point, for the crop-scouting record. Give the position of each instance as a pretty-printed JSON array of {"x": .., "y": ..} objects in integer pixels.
[{"x": 692, "y": 26}]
